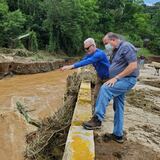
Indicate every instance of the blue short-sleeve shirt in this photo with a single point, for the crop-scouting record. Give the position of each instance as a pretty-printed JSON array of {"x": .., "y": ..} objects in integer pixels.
[{"x": 123, "y": 55}]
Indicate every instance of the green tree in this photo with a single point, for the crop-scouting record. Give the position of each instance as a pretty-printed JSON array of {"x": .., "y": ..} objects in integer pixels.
[
  {"x": 33, "y": 41},
  {"x": 3, "y": 13},
  {"x": 11, "y": 24},
  {"x": 35, "y": 14},
  {"x": 154, "y": 34},
  {"x": 65, "y": 24},
  {"x": 70, "y": 23}
]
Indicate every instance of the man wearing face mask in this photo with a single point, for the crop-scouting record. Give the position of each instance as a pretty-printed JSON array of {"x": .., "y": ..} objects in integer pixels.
[
  {"x": 98, "y": 59},
  {"x": 123, "y": 74},
  {"x": 109, "y": 50}
]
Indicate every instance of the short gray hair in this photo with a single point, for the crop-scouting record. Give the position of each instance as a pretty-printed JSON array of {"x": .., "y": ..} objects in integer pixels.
[
  {"x": 90, "y": 40},
  {"x": 111, "y": 35}
]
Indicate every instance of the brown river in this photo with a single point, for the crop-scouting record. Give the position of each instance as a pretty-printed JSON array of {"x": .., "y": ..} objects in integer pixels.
[{"x": 41, "y": 94}]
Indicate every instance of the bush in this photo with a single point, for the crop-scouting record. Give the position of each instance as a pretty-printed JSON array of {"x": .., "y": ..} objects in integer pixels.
[
  {"x": 34, "y": 44},
  {"x": 144, "y": 51},
  {"x": 154, "y": 46},
  {"x": 135, "y": 40}
]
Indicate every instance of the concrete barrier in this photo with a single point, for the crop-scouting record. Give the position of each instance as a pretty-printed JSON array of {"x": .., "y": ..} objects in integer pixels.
[{"x": 80, "y": 142}]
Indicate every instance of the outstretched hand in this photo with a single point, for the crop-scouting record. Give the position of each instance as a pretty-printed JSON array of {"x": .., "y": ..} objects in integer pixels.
[{"x": 68, "y": 67}]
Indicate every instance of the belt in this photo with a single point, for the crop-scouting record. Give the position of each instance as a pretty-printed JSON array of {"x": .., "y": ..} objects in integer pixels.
[{"x": 130, "y": 77}]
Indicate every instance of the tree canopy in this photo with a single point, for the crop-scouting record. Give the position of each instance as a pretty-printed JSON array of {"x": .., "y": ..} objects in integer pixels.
[{"x": 63, "y": 25}]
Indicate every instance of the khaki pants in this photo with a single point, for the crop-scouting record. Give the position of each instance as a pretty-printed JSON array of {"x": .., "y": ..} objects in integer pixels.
[{"x": 99, "y": 83}]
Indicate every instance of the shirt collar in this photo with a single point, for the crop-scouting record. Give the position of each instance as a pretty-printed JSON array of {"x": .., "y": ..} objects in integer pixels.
[{"x": 117, "y": 47}]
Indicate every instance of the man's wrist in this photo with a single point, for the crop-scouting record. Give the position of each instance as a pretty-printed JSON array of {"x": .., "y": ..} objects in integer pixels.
[
  {"x": 117, "y": 78},
  {"x": 72, "y": 66}
]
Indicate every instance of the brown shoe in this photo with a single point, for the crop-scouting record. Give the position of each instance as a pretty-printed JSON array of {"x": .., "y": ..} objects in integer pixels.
[
  {"x": 109, "y": 137},
  {"x": 92, "y": 124}
]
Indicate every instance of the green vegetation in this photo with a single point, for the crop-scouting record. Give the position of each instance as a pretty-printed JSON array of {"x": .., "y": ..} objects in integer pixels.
[
  {"x": 144, "y": 51},
  {"x": 43, "y": 56},
  {"x": 63, "y": 25}
]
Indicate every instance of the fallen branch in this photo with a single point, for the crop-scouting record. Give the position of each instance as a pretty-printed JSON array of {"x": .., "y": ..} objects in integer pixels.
[
  {"x": 47, "y": 142},
  {"x": 31, "y": 121}
]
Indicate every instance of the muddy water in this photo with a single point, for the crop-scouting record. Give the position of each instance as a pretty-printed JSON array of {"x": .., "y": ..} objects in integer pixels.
[{"x": 42, "y": 94}]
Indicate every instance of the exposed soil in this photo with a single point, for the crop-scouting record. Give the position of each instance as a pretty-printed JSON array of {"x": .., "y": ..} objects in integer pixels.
[
  {"x": 20, "y": 61},
  {"x": 145, "y": 99},
  {"x": 128, "y": 151},
  {"x": 154, "y": 83}
]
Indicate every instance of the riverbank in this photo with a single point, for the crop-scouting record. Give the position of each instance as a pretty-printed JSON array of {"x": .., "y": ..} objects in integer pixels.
[{"x": 20, "y": 61}]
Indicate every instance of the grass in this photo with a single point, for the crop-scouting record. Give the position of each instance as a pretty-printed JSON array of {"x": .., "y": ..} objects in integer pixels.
[
  {"x": 43, "y": 57},
  {"x": 144, "y": 51},
  {"x": 46, "y": 56}
]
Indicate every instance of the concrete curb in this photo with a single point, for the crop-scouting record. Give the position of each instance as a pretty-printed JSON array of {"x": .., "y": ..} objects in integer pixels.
[{"x": 80, "y": 142}]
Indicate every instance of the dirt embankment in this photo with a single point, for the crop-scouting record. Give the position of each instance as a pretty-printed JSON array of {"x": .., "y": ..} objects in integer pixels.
[
  {"x": 154, "y": 58},
  {"x": 9, "y": 68},
  {"x": 20, "y": 61}
]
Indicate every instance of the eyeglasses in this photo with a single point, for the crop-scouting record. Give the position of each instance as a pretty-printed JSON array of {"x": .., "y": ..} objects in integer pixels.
[{"x": 88, "y": 47}]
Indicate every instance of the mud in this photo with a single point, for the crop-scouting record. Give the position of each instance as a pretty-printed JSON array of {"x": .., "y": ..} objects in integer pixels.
[
  {"x": 148, "y": 100},
  {"x": 21, "y": 61},
  {"x": 10, "y": 68},
  {"x": 152, "y": 83},
  {"x": 154, "y": 58},
  {"x": 41, "y": 93},
  {"x": 128, "y": 151}
]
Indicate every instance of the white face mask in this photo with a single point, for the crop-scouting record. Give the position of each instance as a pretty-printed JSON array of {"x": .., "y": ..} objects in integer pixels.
[{"x": 109, "y": 48}]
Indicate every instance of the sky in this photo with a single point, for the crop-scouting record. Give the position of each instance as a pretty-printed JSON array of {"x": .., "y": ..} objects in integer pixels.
[{"x": 151, "y": 2}]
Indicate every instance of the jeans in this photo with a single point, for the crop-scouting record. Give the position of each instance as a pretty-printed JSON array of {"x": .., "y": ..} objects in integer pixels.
[{"x": 117, "y": 92}]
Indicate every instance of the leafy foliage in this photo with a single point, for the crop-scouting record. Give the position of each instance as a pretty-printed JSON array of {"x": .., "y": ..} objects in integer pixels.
[
  {"x": 63, "y": 25},
  {"x": 34, "y": 44}
]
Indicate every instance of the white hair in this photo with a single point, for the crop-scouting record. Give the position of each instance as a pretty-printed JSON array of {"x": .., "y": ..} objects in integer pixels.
[{"x": 90, "y": 40}]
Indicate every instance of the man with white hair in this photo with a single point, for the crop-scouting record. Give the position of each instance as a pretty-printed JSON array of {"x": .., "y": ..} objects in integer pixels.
[{"x": 97, "y": 58}]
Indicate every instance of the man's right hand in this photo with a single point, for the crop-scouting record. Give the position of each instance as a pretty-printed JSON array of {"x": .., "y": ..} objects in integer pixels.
[
  {"x": 68, "y": 67},
  {"x": 111, "y": 82}
]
